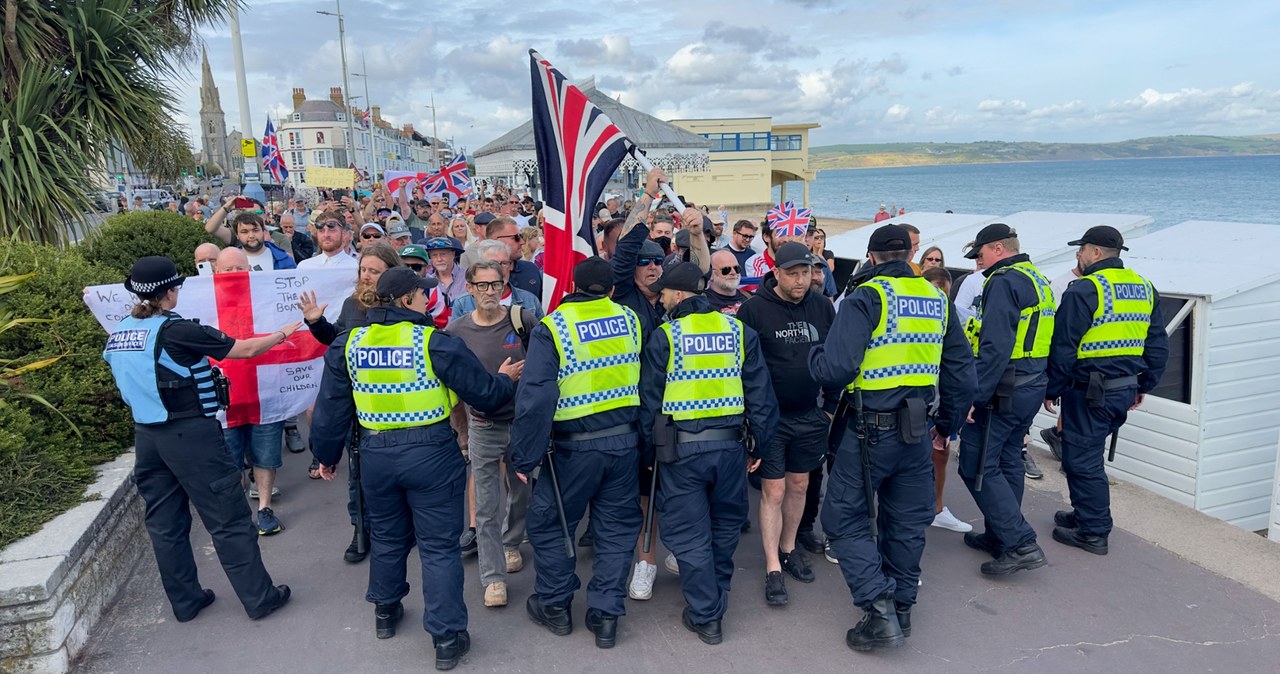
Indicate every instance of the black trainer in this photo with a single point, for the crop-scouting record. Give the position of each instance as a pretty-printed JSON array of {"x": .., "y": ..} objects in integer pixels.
[
  {"x": 1065, "y": 519},
  {"x": 557, "y": 619},
  {"x": 775, "y": 589},
  {"x": 904, "y": 616},
  {"x": 282, "y": 598},
  {"x": 1087, "y": 542},
  {"x": 450, "y": 650},
  {"x": 809, "y": 541},
  {"x": 708, "y": 632},
  {"x": 983, "y": 542},
  {"x": 467, "y": 541},
  {"x": 878, "y": 628},
  {"x": 353, "y": 554},
  {"x": 1053, "y": 439},
  {"x": 796, "y": 565},
  {"x": 1026, "y": 557},
  {"x": 204, "y": 603},
  {"x": 385, "y": 618},
  {"x": 604, "y": 626}
]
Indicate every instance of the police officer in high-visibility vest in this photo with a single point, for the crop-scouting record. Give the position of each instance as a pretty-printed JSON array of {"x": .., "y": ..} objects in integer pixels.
[
  {"x": 1010, "y": 341},
  {"x": 161, "y": 364},
  {"x": 705, "y": 372},
  {"x": 401, "y": 377},
  {"x": 894, "y": 339},
  {"x": 581, "y": 391},
  {"x": 1109, "y": 350}
]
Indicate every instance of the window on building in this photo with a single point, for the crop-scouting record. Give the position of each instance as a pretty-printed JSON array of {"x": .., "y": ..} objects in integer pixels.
[
  {"x": 342, "y": 117},
  {"x": 754, "y": 141},
  {"x": 297, "y": 117},
  {"x": 294, "y": 138},
  {"x": 296, "y": 160},
  {"x": 1176, "y": 382},
  {"x": 787, "y": 143},
  {"x": 737, "y": 142},
  {"x": 322, "y": 158},
  {"x": 722, "y": 142}
]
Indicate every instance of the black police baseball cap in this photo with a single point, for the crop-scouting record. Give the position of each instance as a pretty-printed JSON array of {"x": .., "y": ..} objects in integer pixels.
[
  {"x": 889, "y": 239},
  {"x": 400, "y": 281},
  {"x": 685, "y": 276},
  {"x": 593, "y": 276},
  {"x": 152, "y": 275},
  {"x": 1101, "y": 235},
  {"x": 792, "y": 254},
  {"x": 996, "y": 231}
]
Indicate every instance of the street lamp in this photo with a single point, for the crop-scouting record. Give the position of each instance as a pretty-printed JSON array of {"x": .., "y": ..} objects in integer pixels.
[
  {"x": 435, "y": 133},
  {"x": 369, "y": 103},
  {"x": 346, "y": 80}
]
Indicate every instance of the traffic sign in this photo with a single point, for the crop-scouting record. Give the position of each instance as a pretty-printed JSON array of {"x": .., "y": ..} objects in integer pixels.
[{"x": 248, "y": 148}]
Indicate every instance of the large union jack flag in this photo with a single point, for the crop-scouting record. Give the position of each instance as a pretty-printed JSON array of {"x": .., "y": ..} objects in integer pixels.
[
  {"x": 452, "y": 180},
  {"x": 579, "y": 148},
  {"x": 787, "y": 220},
  {"x": 272, "y": 160}
]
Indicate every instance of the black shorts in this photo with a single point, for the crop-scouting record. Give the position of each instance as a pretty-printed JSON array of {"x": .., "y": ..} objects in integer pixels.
[{"x": 799, "y": 446}]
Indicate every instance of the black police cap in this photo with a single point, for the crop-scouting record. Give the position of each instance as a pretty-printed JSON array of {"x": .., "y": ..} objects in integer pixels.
[
  {"x": 1101, "y": 235},
  {"x": 996, "y": 231}
]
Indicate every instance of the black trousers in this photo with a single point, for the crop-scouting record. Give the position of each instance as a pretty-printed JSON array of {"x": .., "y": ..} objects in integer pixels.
[{"x": 186, "y": 462}]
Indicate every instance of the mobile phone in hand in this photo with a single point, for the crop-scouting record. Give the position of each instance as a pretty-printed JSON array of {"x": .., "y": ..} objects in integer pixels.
[{"x": 243, "y": 202}]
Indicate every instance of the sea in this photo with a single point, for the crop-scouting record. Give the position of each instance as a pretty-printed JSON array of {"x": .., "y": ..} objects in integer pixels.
[{"x": 1171, "y": 190}]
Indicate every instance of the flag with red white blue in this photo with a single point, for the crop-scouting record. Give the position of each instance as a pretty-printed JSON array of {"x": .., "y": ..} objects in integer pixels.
[
  {"x": 787, "y": 220},
  {"x": 452, "y": 180},
  {"x": 272, "y": 160},
  {"x": 579, "y": 149}
]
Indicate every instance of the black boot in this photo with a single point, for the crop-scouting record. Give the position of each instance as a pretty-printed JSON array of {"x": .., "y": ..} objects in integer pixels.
[
  {"x": 709, "y": 632},
  {"x": 1087, "y": 542},
  {"x": 353, "y": 554},
  {"x": 604, "y": 626},
  {"x": 878, "y": 628},
  {"x": 796, "y": 565},
  {"x": 385, "y": 618},
  {"x": 904, "y": 616},
  {"x": 1065, "y": 519},
  {"x": 1026, "y": 557},
  {"x": 450, "y": 650},
  {"x": 775, "y": 590},
  {"x": 810, "y": 542},
  {"x": 554, "y": 618},
  {"x": 984, "y": 542}
]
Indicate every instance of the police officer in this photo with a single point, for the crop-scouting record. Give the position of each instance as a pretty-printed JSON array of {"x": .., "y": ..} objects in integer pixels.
[
  {"x": 161, "y": 365},
  {"x": 1010, "y": 337},
  {"x": 1109, "y": 349},
  {"x": 581, "y": 390},
  {"x": 894, "y": 338},
  {"x": 401, "y": 378},
  {"x": 705, "y": 372}
]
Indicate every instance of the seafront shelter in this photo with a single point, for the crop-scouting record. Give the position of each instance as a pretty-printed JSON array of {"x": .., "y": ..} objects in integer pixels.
[
  {"x": 1207, "y": 436},
  {"x": 749, "y": 156}
]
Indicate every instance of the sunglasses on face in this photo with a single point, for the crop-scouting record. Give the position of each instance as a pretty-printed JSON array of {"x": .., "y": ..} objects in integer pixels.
[
  {"x": 933, "y": 259},
  {"x": 735, "y": 269},
  {"x": 375, "y": 235},
  {"x": 488, "y": 286},
  {"x": 748, "y": 237},
  {"x": 418, "y": 268},
  {"x": 646, "y": 261},
  {"x": 330, "y": 224}
]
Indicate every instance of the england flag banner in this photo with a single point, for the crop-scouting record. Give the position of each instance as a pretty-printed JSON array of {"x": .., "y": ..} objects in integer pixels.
[{"x": 277, "y": 384}]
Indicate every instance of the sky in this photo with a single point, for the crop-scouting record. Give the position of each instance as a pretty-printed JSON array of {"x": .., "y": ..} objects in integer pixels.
[{"x": 868, "y": 72}]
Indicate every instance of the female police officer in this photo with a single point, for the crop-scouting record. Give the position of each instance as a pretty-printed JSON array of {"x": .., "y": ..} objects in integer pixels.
[
  {"x": 401, "y": 377},
  {"x": 160, "y": 363}
]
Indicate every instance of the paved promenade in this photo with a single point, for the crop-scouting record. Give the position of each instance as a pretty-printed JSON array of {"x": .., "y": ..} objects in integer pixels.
[{"x": 1210, "y": 604}]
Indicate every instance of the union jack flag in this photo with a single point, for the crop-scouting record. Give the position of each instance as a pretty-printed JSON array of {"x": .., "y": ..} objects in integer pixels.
[
  {"x": 365, "y": 118},
  {"x": 452, "y": 180},
  {"x": 787, "y": 220},
  {"x": 272, "y": 160},
  {"x": 578, "y": 148}
]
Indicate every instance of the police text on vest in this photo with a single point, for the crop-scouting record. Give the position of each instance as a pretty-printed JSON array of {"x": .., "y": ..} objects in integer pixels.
[
  {"x": 920, "y": 307},
  {"x": 602, "y": 328},
  {"x": 1130, "y": 291},
  {"x": 718, "y": 342},
  {"x": 128, "y": 340},
  {"x": 384, "y": 357}
]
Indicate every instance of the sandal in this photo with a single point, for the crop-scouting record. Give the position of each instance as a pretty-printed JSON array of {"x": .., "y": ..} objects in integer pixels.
[{"x": 313, "y": 471}]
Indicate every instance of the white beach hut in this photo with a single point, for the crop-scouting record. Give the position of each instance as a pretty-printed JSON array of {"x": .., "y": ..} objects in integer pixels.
[
  {"x": 852, "y": 245},
  {"x": 1207, "y": 437},
  {"x": 1044, "y": 235}
]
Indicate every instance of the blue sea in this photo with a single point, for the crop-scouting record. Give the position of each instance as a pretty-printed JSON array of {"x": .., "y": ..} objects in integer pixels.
[{"x": 1239, "y": 189}]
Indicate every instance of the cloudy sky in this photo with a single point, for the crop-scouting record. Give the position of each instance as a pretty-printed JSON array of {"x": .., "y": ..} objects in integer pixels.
[{"x": 869, "y": 72}]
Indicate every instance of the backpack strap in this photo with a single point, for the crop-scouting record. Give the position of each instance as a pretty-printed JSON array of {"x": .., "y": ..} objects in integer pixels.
[{"x": 517, "y": 322}]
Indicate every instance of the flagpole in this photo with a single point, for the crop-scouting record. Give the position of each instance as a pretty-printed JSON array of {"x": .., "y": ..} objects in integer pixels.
[{"x": 647, "y": 165}]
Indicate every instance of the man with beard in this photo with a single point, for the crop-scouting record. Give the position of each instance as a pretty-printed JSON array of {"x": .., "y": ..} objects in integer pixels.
[
  {"x": 524, "y": 274},
  {"x": 723, "y": 294},
  {"x": 761, "y": 263},
  {"x": 330, "y": 229}
]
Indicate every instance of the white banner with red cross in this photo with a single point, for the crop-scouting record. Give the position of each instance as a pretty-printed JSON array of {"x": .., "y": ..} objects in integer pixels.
[{"x": 277, "y": 384}]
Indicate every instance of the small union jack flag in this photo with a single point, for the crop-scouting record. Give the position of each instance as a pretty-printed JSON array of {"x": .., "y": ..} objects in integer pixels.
[
  {"x": 452, "y": 180},
  {"x": 787, "y": 220},
  {"x": 272, "y": 160},
  {"x": 366, "y": 118}
]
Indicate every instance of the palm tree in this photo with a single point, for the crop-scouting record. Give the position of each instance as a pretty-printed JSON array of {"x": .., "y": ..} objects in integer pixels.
[{"x": 78, "y": 77}]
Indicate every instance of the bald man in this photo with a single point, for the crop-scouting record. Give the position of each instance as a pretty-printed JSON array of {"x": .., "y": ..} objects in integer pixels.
[
  {"x": 229, "y": 260},
  {"x": 206, "y": 252}
]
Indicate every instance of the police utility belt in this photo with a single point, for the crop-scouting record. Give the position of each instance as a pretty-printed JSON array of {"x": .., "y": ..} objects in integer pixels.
[
  {"x": 583, "y": 436},
  {"x": 1096, "y": 387}
]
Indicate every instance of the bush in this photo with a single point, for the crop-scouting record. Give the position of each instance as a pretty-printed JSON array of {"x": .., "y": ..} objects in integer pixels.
[
  {"x": 126, "y": 237},
  {"x": 44, "y": 464}
]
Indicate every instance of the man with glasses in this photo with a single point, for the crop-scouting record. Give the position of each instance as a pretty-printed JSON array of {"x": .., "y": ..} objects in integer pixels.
[
  {"x": 370, "y": 231},
  {"x": 524, "y": 274},
  {"x": 497, "y": 251},
  {"x": 331, "y": 230},
  {"x": 744, "y": 232},
  {"x": 722, "y": 293}
]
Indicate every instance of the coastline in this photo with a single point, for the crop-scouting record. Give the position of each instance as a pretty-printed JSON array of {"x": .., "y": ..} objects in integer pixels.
[{"x": 1034, "y": 161}]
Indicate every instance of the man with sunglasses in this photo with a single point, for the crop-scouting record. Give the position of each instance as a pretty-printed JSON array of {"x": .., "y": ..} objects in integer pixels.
[
  {"x": 722, "y": 292},
  {"x": 744, "y": 232},
  {"x": 331, "y": 231},
  {"x": 370, "y": 231}
]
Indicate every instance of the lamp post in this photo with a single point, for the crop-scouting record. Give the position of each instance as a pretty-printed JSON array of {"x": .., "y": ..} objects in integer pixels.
[
  {"x": 346, "y": 81},
  {"x": 249, "y": 172},
  {"x": 369, "y": 166},
  {"x": 435, "y": 133}
]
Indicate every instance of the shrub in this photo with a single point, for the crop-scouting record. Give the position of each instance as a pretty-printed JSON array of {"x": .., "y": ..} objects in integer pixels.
[{"x": 126, "y": 237}]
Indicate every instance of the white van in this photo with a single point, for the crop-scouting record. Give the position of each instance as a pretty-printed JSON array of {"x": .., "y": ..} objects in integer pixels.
[{"x": 162, "y": 197}]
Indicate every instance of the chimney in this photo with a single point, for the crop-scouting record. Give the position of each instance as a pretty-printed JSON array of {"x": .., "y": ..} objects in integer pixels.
[
  {"x": 376, "y": 111},
  {"x": 408, "y": 131},
  {"x": 298, "y": 97},
  {"x": 335, "y": 95}
]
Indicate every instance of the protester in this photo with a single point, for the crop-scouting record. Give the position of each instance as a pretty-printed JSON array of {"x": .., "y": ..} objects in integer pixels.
[
  {"x": 331, "y": 230},
  {"x": 942, "y": 518},
  {"x": 444, "y": 266},
  {"x": 531, "y": 245},
  {"x": 207, "y": 255},
  {"x": 722, "y": 292},
  {"x": 300, "y": 244},
  {"x": 524, "y": 275},
  {"x": 499, "y": 252},
  {"x": 930, "y": 258},
  {"x": 397, "y": 232},
  {"x": 818, "y": 246}
]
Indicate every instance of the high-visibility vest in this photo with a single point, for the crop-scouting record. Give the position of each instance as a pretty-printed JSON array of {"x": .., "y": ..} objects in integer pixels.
[
  {"x": 704, "y": 367},
  {"x": 137, "y": 361},
  {"x": 1035, "y": 320},
  {"x": 392, "y": 380},
  {"x": 906, "y": 347},
  {"x": 1120, "y": 323},
  {"x": 599, "y": 346}
]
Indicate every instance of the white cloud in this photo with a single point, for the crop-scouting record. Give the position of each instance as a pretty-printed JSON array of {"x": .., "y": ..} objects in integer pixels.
[{"x": 897, "y": 113}]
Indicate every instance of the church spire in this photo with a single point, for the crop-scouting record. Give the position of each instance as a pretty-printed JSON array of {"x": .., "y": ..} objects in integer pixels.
[{"x": 209, "y": 99}]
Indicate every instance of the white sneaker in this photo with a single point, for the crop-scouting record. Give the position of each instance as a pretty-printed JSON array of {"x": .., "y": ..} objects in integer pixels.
[
  {"x": 945, "y": 520},
  {"x": 826, "y": 552},
  {"x": 642, "y": 581},
  {"x": 671, "y": 565}
]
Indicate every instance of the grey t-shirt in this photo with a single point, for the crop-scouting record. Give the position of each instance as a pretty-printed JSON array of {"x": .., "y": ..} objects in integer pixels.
[{"x": 492, "y": 345}]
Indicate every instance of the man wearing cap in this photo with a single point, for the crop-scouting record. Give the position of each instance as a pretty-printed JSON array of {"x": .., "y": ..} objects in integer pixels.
[
  {"x": 1109, "y": 350},
  {"x": 400, "y": 377},
  {"x": 370, "y": 231},
  {"x": 790, "y": 318},
  {"x": 444, "y": 253},
  {"x": 704, "y": 373},
  {"x": 893, "y": 340},
  {"x": 397, "y": 231},
  {"x": 161, "y": 365},
  {"x": 881, "y": 214},
  {"x": 1010, "y": 339},
  {"x": 580, "y": 390}
]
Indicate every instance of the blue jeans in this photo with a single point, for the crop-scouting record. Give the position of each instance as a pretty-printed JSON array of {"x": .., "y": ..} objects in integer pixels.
[{"x": 262, "y": 440}]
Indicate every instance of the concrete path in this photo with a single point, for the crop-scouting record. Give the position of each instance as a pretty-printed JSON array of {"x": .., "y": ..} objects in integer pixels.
[{"x": 1140, "y": 609}]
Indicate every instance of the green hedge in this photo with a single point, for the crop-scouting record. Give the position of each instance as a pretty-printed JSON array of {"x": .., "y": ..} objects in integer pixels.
[{"x": 44, "y": 465}]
